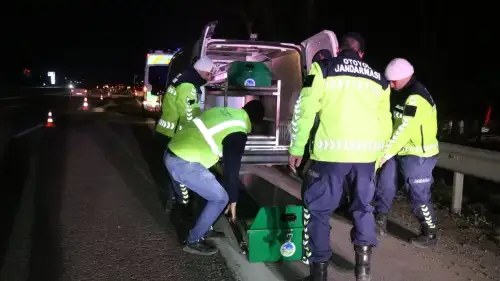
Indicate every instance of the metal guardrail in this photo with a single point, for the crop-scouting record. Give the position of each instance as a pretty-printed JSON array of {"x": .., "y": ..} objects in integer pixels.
[
  {"x": 471, "y": 161},
  {"x": 464, "y": 160}
]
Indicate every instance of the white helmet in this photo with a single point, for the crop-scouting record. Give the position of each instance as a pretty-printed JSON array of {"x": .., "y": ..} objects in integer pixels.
[
  {"x": 398, "y": 69},
  {"x": 204, "y": 64}
]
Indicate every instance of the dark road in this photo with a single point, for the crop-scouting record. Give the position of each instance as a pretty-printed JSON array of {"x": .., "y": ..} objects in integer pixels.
[{"x": 81, "y": 203}]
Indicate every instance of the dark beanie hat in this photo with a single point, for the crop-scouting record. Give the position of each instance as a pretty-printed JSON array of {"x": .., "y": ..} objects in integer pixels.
[{"x": 357, "y": 37}]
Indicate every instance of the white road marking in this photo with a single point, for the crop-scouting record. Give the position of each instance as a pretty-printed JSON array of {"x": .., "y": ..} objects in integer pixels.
[
  {"x": 27, "y": 131},
  {"x": 11, "y": 98}
]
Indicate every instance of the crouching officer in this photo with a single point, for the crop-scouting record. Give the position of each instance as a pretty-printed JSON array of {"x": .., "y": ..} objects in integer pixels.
[
  {"x": 181, "y": 103},
  {"x": 352, "y": 101},
  {"x": 413, "y": 148},
  {"x": 220, "y": 132}
]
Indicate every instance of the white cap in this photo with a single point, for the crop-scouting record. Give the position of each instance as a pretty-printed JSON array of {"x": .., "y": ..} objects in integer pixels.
[
  {"x": 204, "y": 64},
  {"x": 398, "y": 69}
]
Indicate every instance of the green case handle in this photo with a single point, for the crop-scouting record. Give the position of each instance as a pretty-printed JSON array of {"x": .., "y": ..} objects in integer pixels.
[{"x": 288, "y": 217}]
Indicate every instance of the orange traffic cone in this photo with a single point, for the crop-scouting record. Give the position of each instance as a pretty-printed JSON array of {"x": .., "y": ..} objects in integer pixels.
[
  {"x": 85, "y": 104},
  {"x": 50, "y": 121}
]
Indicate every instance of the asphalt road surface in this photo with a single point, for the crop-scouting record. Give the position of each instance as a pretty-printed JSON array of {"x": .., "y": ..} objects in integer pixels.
[{"x": 80, "y": 202}]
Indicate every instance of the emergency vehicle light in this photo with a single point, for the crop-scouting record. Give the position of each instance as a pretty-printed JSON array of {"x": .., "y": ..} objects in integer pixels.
[{"x": 155, "y": 59}]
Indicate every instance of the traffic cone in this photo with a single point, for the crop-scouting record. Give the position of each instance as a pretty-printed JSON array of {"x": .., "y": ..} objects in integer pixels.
[
  {"x": 50, "y": 121},
  {"x": 85, "y": 104},
  {"x": 101, "y": 97}
]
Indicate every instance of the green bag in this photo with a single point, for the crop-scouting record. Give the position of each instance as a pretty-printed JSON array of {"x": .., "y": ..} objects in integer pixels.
[{"x": 249, "y": 74}]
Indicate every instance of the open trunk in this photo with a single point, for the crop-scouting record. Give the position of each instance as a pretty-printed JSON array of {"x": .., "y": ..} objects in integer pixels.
[{"x": 267, "y": 144}]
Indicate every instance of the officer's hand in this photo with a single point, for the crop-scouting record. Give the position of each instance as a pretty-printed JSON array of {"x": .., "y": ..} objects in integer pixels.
[
  {"x": 231, "y": 208},
  {"x": 294, "y": 162},
  {"x": 382, "y": 162}
]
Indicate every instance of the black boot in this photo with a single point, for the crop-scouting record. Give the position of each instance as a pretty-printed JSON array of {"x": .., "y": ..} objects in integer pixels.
[
  {"x": 381, "y": 222},
  {"x": 181, "y": 212},
  {"x": 201, "y": 248},
  {"x": 319, "y": 272},
  {"x": 362, "y": 256},
  {"x": 168, "y": 204},
  {"x": 426, "y": 238}
]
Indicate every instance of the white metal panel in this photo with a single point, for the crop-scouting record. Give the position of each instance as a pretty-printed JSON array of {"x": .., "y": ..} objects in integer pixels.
[
  {"x": 324, "y": 40},
  {"x": 208, "y": 32}
]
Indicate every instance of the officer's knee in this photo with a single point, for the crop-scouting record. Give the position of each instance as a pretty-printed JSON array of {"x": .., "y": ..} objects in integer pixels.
[
  {"x": 360, "y": 206},
  {"x": 318, "y": 208},
  {"x": 221, "y": 196}
]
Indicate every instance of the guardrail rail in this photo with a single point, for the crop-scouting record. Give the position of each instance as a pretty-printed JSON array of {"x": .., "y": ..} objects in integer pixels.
[{"x": 464, "y": 160}]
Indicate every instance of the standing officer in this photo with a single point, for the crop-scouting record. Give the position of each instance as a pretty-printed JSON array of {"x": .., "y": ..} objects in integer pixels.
[
  {"x": 352, "y": 101},
  {"x": 181, "y": 103},
  {"x": 413, "y": 147},
  {"x": 319, "y": 56}
]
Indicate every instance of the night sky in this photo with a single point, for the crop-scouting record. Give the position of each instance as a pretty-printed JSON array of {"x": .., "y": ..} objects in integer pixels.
[{"x": 451, "y": 45}]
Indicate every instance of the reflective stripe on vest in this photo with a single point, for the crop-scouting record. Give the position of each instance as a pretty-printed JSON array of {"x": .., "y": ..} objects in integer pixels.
[
  {"x": 189, "y": 110},
  {"x": 208, "y": 134},
  {"x": 166, "y": 124},
  {"x": 348, "y": 145}
]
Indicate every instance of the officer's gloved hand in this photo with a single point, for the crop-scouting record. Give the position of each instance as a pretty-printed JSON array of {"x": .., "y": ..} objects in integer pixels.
[
  {"x": 304, "y": 168},
  {"x": 377, "y": 163}
]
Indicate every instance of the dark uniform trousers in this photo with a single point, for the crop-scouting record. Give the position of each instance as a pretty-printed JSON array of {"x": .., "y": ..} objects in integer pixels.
[
  {"x": 417, "y": 174},
  {"x": 324, "y": 189}
]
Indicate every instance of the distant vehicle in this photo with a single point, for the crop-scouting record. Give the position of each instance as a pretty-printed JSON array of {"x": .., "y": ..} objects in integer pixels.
[
  {"x": 105, "y": 91},
  {"x": 79, "y": 92},
  {"x": 98, "y": 92},
  {"x": 139, "y": 90}
]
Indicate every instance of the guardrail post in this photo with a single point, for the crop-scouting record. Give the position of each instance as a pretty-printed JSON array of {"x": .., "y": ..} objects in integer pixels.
[
  {"x": 458, "y": 190},
  {"x": 461, "y": 126}
]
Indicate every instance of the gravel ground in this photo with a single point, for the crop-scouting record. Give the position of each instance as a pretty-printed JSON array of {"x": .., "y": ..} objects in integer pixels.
[{"x": 466, "y": 236}]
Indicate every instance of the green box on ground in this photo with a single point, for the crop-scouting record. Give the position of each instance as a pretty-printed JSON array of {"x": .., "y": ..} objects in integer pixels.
[{"x": 275, "y": 234}]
